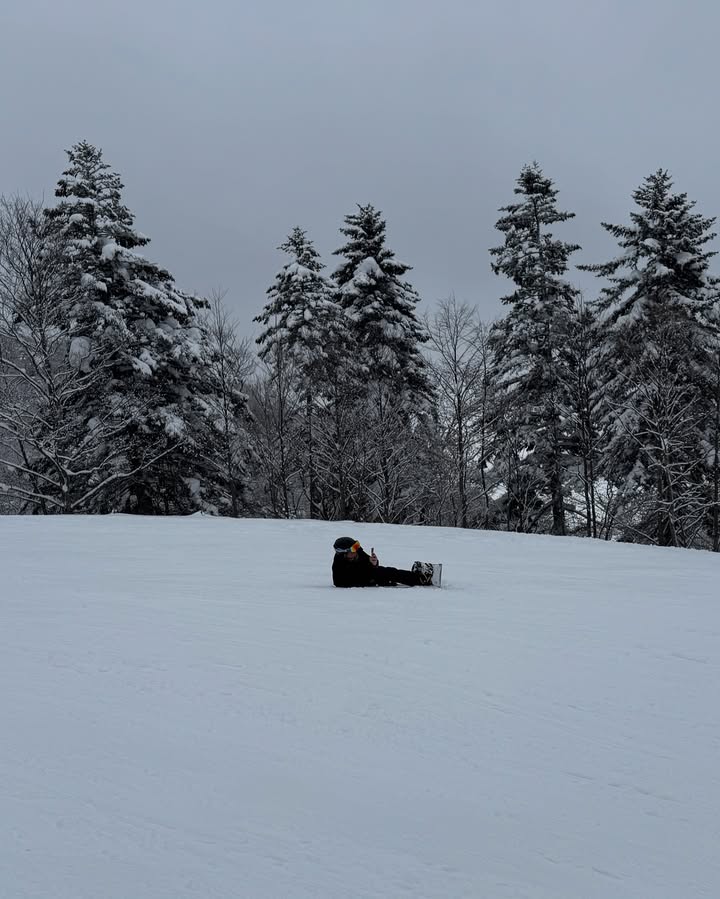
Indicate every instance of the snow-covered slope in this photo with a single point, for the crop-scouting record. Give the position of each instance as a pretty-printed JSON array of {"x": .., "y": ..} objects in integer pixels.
[{"x": 190, "y": 709}]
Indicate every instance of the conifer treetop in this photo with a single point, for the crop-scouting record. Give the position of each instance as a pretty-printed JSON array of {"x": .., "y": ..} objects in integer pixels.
[
  {"x": 129, "y": 301},
  {"x": 301, "y": 248},
  {"x": 530, "y": 255},
  {"x": 365, "y": 231},
  {"x": 298, "y": 313},
  {"x": 663, "y": 263},
  {"x": 90, "y": 193},
  {"x": 380, "y": 306}
]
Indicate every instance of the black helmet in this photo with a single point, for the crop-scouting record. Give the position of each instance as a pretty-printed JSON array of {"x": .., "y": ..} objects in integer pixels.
[{"x": 345, "y": 544}]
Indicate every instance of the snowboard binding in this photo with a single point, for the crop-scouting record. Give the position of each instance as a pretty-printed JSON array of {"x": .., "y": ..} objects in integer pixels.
[{"x": 429, "y": 573}]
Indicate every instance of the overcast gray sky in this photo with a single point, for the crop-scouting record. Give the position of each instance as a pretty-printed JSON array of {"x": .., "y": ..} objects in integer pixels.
[{"x": 230, "y": 122}]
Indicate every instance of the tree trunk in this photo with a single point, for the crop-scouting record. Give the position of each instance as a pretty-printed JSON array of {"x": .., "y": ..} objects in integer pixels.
[
  {"x": 716, "y": 464},
  {"x": 558, "y": 501},
  {"x": 461, "y": 461},
  {"x": 312, "y": 479}
]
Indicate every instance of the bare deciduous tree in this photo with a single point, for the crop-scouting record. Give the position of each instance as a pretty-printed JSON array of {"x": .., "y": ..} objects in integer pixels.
[
  {"x": 277, "y": 430},
  {"x": 459, "y": 364},
  {"x": 232, "y": 364}
]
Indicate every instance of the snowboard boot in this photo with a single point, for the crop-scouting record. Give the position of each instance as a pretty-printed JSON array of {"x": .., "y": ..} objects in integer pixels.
[{"x": 424, "y": 572}]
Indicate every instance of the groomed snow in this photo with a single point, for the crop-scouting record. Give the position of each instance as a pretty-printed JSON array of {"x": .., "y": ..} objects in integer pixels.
[{"x": 190, "y": 709}]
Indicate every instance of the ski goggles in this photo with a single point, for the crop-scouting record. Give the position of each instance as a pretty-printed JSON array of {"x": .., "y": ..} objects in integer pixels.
[{"x": 353, "y": 549}]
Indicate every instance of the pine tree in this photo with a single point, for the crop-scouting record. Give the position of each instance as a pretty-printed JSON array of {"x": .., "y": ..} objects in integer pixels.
[
  {"x": 530, "y": 348},
  {"x": 393, "y": 388},
  {"x": 380, "y": 306},
  {"x": 301, "y": 343},
  {"x": 653, "y": 320},
  {"x": 299, "y": 314},
  {"x": 131, "y": 309}
]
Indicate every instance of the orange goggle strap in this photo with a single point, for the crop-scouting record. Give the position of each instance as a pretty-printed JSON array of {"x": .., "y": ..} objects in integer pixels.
[{"x": 352, "y": 549}]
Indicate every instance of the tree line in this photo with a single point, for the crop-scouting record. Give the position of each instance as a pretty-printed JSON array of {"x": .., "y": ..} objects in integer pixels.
[{"x": 121, "y": 392}]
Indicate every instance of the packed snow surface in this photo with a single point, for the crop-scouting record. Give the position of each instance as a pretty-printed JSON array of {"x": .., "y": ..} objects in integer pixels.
[{"x": 190, "y": 709}]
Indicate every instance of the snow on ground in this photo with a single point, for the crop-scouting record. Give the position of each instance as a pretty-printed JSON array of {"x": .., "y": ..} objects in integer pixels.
[{"x": 190, "y": 709}]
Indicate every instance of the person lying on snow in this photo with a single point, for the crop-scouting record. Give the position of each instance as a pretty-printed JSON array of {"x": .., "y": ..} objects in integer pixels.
[{"x": 353, "y": 567}]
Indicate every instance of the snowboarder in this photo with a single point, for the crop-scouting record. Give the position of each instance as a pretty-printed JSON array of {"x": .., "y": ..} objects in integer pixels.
[{"x": 353, "y": 567}]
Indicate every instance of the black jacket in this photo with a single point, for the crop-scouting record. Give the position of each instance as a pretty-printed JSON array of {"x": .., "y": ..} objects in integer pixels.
[{"x": 359, "y": 572}]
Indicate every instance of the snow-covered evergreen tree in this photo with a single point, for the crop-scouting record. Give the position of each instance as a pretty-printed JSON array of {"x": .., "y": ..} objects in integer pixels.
[
  {"x": 131, "y": 309},
  {"x": 653, "y": 320},
  {"x": 393, "y": 387},
  {"x": 300, "y": 314},
  {"x": 381, "y": 306},
  {"x": 531, "y": 348},
  {"x": 303, "y": 341}
]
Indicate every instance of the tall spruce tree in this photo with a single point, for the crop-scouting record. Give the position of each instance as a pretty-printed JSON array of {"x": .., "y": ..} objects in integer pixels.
[
  {"x": 380, "y": 305},
  {"x": 131, "y": 309},
  {"x": 653, "y": 360},
  {"x": 531, "y": 350},
  {"x": 394, "y": 386},
  {"x": 303, "y": 338},
  {"x": 299, "y": 310}
]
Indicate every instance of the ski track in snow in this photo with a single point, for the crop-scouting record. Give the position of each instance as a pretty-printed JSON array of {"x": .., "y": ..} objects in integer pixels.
[{"x": 191, "y": 710}]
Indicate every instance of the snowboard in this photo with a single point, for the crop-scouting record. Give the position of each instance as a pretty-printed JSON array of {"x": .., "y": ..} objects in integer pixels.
[{"x": 431, "y": 572}]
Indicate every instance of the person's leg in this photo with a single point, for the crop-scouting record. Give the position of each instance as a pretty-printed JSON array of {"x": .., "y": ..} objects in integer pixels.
[{"x": 387, "y": 576}]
